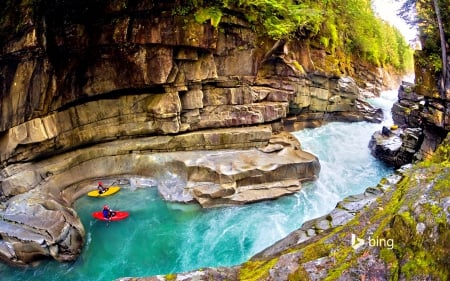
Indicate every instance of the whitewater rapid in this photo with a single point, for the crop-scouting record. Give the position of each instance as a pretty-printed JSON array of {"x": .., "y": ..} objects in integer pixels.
[{"x": 162, "y": 237}]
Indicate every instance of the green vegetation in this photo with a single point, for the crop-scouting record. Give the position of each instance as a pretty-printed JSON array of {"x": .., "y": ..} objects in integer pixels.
[
  {"x": 341, "y": 27},
  {"x": 432, "y": 18},
  {"x": 256, "y": 270},
  {"x": 345, "y": 26},
  {"x": 415, "y": 254},
  {"x": 409, "y": 213},
  {"x": 213, "y": 14},
  {"x": 428, "y": 25}
]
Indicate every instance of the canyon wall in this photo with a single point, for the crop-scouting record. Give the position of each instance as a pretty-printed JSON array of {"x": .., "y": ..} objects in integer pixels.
[{"x": 124, "y": 88}]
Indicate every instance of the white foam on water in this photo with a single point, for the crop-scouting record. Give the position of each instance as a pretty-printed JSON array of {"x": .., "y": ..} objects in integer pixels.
[{"x": 161, "y": 237}]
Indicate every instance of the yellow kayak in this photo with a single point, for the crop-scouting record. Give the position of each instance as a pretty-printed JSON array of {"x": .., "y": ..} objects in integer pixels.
[
  {"x": 111, "y": 190},
  {"x": 394, "y": 127}
]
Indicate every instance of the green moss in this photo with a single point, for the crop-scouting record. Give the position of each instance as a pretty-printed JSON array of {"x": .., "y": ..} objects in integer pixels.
[
  {"x": 316, "y": 251},
  {"x": 384, "y": 216},
  {"x": 171, "y": 277},
  {"x": 325, "y": 41},
  {"x": 342, "y": 262},
  {"x": 383, "y": 181},
  {"x": 298, "y": 66},
  {"x": 409, "y": 219},
  {"x": 443, "y": 183},
  {"x": 418, "y": 256},
  {"x": 299, "y": 275},
  {"x": 412, "y": 256},
  {"x": 391, "y": 261},
  {"x": 421, "y": 263},
  {"x": 421, "y": 217},
  {"x": 213, "y": 14},
  {"x": 254, "y": 270}
]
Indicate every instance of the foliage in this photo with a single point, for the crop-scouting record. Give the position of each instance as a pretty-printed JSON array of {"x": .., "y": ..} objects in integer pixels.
[
  {"x": 362, "y": 33},
  {"x": 256, "y": 270},
  {"x": 348, "y": 26},
  {"x": 211, "y": 13},
  {"x": 343, "y": 26},
  {"x": 425, "y": 18},
  {"x": 279, "y": 19}
]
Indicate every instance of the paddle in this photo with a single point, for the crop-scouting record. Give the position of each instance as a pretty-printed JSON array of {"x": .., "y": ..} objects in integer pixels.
[
  {"x": 106, "y": 188},
  {"x": 111, "y": 185}
]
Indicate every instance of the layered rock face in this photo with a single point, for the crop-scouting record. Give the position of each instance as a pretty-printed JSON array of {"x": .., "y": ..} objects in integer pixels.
[
  {"x": 141, "y": 75},
  {"x": 421, "y": 114},
  {"x": 396, "y": 147},
  {"x": 421, "y": 105},
  {"x": 140, "y": 91}
]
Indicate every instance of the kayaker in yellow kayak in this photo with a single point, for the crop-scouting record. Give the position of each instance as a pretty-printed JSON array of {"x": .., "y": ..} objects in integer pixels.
[{"x": 101, "y": 188}]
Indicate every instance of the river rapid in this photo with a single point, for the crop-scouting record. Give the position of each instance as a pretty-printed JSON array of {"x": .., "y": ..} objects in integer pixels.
[{"x": 161, "y": 237}]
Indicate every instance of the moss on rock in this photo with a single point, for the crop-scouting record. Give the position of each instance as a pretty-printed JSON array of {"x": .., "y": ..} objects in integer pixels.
[{"x": 410, "y": 215}]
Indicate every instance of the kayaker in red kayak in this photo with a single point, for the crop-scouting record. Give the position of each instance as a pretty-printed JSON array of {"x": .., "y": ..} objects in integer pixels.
[{"x": 107, "y": 212}]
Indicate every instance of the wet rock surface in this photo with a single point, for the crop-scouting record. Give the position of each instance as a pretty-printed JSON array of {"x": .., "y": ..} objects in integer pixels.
[
  {"x": 418, "y": 106},
  {"x": 396, "y": 147},
  {"x": 81, "y": 102},
  {"x": 399, "y": 229},
  {"x": 35, "y": 226},
  {"x": 37, "y": 220}
]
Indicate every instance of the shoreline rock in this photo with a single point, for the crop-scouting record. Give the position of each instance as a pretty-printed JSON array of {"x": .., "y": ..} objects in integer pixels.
[
  {"x": 396, "y": 147},
  {"x": 37, "y": 220},
  {"x": 402, "y": 225},
  {"x": 80, "y": 105}
]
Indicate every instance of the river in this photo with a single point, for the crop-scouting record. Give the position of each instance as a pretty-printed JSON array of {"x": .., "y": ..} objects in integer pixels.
[{"x": 161, "y": 237}]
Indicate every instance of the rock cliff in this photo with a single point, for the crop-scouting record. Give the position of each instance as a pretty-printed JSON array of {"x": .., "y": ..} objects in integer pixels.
[
  {"x": 113, "y": 89},
  {"x": 421, "y": 114}
]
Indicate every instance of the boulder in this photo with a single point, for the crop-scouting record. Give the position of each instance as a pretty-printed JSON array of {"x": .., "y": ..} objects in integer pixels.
[
  {"x": 35, "y": 226},
  {"x": 396, "y": 147}
]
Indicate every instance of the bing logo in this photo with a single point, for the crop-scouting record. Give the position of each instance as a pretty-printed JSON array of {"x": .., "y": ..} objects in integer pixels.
[{"x": 373, "y": 242}]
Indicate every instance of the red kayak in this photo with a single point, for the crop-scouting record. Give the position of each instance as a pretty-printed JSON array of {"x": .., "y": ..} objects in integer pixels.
[{"x": 117, "y": 215}]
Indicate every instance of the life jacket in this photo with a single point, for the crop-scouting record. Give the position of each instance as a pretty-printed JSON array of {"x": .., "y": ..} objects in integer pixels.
[{"x": 106, "y": 213}]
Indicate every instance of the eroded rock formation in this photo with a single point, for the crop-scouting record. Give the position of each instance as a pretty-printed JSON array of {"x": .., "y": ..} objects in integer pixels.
[
  {"x": 140, "y": 91},
  {"x": 396, "y": 146}
]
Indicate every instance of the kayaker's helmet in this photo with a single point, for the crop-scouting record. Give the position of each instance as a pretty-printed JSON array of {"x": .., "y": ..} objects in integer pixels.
[
  {"x": 100, "y": 183},
  {"x": 105, "y": 207}
]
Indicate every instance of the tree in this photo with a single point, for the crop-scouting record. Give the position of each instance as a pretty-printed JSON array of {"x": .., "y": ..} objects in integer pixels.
[
  {"x": 410, "y": 5},
  {"x": 443, "y": 47}
]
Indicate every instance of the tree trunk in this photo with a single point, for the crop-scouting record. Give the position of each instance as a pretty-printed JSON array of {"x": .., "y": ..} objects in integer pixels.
[{"x": 443, "y": 47}]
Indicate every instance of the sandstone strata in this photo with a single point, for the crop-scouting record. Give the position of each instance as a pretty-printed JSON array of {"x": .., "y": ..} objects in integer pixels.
[
  {"x": 84, "y": 99},
  {"x": 37, "y": 218}
]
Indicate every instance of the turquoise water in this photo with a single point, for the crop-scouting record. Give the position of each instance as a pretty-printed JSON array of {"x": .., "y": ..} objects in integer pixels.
[{"x": 161, "y": 237}]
